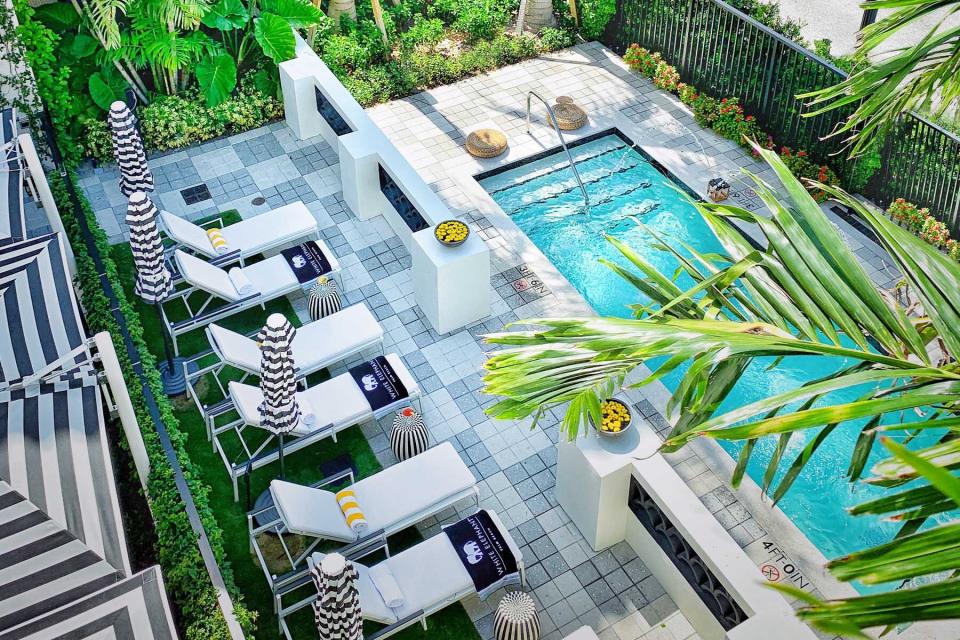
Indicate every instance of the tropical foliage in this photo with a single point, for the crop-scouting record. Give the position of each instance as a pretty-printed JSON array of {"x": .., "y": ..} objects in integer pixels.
[
  {"x": 887, "y": 82},
  {"x": 803, "y": 294}
]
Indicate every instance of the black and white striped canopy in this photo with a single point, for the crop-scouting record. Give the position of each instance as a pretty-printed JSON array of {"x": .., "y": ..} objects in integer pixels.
[
  {"x": 154, "y": 283},
  {"x": 53, "y": 586},
  {"x": 279, "y": 411},
  {"x": 135, "y": 174},
  {"x": 336, "y": 610},
  {"x": 54, "y": 451},
  {"x": 40, "y": 325},
  {"x": 43, "y": 566},
  {"x": 12, "y": 223}
]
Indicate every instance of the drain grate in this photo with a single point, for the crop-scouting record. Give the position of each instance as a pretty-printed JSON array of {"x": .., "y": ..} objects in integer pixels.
[
  {"x": 196, "y": 193},
  {"x": 259, "y": 200}
]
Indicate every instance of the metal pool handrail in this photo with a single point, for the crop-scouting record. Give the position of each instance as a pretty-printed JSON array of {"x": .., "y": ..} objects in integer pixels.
[{"x": 563, "y": 143}]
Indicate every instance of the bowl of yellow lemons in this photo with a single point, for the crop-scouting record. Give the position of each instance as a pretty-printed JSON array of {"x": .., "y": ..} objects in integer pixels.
[
  {"x": 615, "y": 418},
  {"x": 452, "y": 233}
]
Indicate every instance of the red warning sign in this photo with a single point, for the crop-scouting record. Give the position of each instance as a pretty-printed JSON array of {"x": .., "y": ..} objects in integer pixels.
[{"x": 770, "y": 572}]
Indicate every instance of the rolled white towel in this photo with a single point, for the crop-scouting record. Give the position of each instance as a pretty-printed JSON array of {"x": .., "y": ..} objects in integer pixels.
[
  {"x": 307, "y": 414},
  {"x": 241, "y": 282},
  {"x": 386, "y": 584}
]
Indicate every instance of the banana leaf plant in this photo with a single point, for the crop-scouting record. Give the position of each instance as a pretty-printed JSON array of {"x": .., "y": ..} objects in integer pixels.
[{"x": 800, "y": 291}]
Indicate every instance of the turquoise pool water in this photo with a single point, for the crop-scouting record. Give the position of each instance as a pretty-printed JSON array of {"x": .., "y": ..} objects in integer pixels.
[{"x": 543, "y": 199}]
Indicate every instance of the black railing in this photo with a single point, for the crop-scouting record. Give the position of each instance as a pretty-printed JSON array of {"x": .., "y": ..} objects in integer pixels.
[{"x": 725, "y": 53}]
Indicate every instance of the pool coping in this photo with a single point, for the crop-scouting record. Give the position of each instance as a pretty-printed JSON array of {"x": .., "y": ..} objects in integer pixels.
[{"x": 800, "y": 549}]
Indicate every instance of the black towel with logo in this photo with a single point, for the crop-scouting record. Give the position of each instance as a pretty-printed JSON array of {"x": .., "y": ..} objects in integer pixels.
[
  {"x": 307, "y": 261},
  {"x": 379, "y": 383},
  {"x": 484, "y": 552}
]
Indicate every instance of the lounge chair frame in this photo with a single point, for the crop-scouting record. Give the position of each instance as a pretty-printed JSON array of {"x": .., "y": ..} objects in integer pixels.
[
  {"x": 389, "y": 630},
  {"x": 202, "y": 315},
  {"x": 260, "y": 456},
  {"x": 285, "y": 583},
  {"x": 235, "y": 256},
  {"x": 194, "y": 371}
]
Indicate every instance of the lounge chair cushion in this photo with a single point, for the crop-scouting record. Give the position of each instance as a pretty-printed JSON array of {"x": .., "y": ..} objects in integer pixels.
[
  {"x": 390, "y": 499},
  {"x": 337, "y": 401},
  {"x": 189, "y": 234},
  {"x": 316, "y": 345},
  {"x": 272, "y": 277},
  {"x": 271, "y": 228},
  {"x": 203, "y": 275},
  {"x": 583, "y": 633},
  {"x": 250, "y": 236}
]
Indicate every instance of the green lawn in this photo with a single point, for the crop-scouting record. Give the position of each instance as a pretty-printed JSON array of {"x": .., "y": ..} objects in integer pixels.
[{"x": 302, "y": 466}]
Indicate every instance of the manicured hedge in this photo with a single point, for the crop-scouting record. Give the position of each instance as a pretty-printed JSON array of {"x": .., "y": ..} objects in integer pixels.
[
  {"x": 183, "y": 568},
  {"x": 186, "y": 577}
]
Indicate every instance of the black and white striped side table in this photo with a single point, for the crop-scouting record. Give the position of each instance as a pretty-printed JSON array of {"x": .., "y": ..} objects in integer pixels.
[
  {"x": 324, "y": 298},
  {"x": 409, "y": 436},
  {"x": 516, "y": 618}
]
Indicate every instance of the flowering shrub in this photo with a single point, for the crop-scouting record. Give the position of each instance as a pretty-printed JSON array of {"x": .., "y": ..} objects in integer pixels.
[
  {"x": 801, "y": 166},
  {"x": 666, "y": 77},
  {"x": 907, "y": 214},
  {"x": 642, "y": 60},
  {"x": 953, "y": 249},
  {"x": 934, "y": 232},
  {"x": 725, "y": 116}
]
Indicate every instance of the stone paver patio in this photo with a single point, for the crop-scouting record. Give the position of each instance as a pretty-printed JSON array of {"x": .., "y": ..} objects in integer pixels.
[{"x": 612, "y": 591}]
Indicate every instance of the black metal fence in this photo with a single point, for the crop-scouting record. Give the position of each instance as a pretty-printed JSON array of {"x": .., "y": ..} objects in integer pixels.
[{"x": 724, "y": 52}]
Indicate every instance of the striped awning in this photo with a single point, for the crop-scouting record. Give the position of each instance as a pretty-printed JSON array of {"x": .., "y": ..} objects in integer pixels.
[
  {"x": 12, "y": 223},
  {"x": 40, "y": 326},
  {"x": 42, "y": 565},
  {"x": 54, "y": 452},
  {"x": 134, "y": 609}
]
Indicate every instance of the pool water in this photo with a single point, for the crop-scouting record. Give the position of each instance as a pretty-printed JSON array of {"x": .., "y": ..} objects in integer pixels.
[{"x": 543, "y": 199}]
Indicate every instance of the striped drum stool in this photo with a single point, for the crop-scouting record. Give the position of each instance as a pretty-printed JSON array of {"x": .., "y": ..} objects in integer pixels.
[
  {"x": 516, "y": 618},
  {"x": 409, "y": 435},
  {"x": 324, "y": 299}
]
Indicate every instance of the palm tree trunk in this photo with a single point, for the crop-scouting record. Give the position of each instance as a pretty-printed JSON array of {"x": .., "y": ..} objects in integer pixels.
[
  {"x": 539, "y": 14},
  {"x": 573, "y": 12},
  {"x": 339, "y": 7},
  {"x": 378, "y": 18},
  {"x": 130, "y": 75}
]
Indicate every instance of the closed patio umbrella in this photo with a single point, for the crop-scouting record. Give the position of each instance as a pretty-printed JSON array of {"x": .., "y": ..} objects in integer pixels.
[
  {"x": 337, "y": 607},
  {"x": 128, "y": 149},
  {"x": 279, "y": 411},
  {"x": 154, "y": 282}
]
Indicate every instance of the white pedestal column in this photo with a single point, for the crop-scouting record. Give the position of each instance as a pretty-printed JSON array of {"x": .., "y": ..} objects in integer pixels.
[
  {"x": 298, "y": 82},
  {"x": 451, "y": 284},
  {"x": 360, "y": 175},
  {"x": 593, "y": 480}
]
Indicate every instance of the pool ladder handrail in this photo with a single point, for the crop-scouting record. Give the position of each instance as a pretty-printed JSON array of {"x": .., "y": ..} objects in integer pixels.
[{"x": 563, "y": 143}]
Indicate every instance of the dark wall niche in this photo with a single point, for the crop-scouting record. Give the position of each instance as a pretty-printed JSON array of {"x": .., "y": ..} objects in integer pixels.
[
  {"x": 706, "y": 585},
  {"x": 329, "y": 113},
  {"x": 392, "y": 192}
]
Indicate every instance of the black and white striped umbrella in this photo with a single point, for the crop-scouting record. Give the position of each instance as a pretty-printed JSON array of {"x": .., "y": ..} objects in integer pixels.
[
  {"x": 154, "y": 283},
  {"x": 135, "y": 174},
  {"x": 279, "y": 411},
  {"x": 337, "y": 607}
]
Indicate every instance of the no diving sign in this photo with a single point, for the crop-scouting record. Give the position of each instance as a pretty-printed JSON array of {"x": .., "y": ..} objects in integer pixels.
[{"x": 776, "y": 566}]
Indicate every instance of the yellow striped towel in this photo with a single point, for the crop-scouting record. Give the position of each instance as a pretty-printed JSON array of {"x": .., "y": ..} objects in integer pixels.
[
  {"x": 217, "y": 240},
  {"x": 351, "y": 511}
]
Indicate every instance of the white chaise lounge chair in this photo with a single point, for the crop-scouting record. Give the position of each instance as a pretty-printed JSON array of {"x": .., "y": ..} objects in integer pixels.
[
  {"x": 288, "y": 224},
  {"x": 430, "y": 576},
  {"x": 316, "y": 346},
  {"x": 265, "y": 280},
  {"x": 398, "y": 497},
  {"x": 339, "y": 404},
  {"x": 583, "y": 633}
]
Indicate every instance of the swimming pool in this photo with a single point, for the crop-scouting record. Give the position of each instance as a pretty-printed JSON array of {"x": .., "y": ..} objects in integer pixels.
[{"x": 543, "y": 199}]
